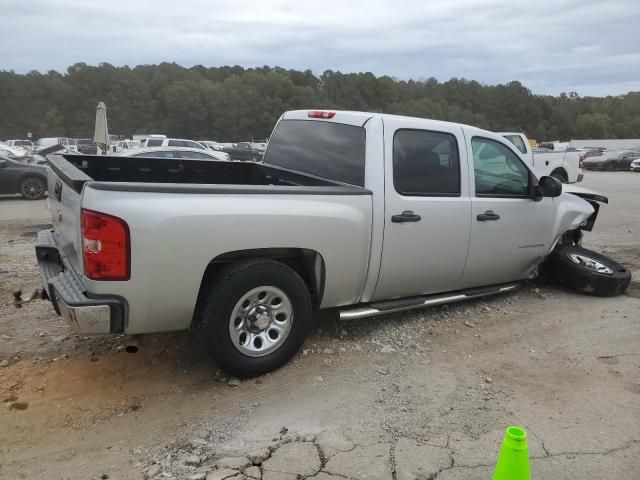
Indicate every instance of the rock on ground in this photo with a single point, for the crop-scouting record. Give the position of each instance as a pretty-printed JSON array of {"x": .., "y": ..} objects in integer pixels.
[
  {"x": 297, "y": 458},
  {"x": 253, "y": 472}
]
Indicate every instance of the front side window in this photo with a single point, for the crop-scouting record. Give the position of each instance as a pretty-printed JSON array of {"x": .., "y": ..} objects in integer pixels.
[
  {"x": 518, "y": 142},
  {"x": 425, "y": 163},
  {"x": 498, "y": 171},
  {"x": 154, "y": 142}
]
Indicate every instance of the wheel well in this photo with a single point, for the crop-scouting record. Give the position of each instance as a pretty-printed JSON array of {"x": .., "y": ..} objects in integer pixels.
[
  {"x": 307, "y": 263},
  {"x": 33, "y": 175},
  {"x": 562, "y": 171}
]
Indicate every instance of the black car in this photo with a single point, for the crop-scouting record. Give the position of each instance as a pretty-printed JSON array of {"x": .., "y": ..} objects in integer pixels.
[
  {"x": 86, "y": 146},
  {"x": 611, "y": 160},
  {"x": 30, "y": 181},
  {"x": 243, "y": 151}
]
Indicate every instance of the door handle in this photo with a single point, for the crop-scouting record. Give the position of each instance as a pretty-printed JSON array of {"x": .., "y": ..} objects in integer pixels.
[
  {"x": 488, "y": 215},
  {"x": 406, "y": 216}
]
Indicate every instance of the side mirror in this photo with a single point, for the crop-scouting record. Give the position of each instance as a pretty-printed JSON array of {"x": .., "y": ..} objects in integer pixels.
[{"x": 550, "y": 187}]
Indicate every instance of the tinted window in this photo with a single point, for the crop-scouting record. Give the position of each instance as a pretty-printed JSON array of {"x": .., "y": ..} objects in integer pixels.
[
  {"x": 425, "y": 163},
  {"x": 160, "y": 154},
  {"x": 498, "y": 171},
  {"x": 329, "y": 150},
  {"x": 154, "y": 142},
  {"x": 194, "y": 155}
]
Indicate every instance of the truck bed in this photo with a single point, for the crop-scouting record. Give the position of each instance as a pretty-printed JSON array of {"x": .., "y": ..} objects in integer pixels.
[{"x": 114, "y": 173}]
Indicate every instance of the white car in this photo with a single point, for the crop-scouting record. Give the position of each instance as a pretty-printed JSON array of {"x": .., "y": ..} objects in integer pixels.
[
  {"x": 175, "y": 152},
  {"x": 13, "y": 151},
  {"x": 26, "y": 144},
  {"x": 171, "y": 142},
  {"x": 635, "y": 166},
  {"x": 565, "y": 165},
  {"x": 211, "y": 145}
]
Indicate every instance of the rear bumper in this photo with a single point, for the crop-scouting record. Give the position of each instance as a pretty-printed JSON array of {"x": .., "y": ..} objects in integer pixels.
[{"x": 86, "y": 314}]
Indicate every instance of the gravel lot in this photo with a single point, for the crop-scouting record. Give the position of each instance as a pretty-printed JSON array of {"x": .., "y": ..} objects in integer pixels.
[{"x": 424, "y": 394}]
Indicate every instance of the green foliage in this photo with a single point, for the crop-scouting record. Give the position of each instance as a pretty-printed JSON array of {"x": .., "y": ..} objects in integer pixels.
[{"x": 234, "y": 103}]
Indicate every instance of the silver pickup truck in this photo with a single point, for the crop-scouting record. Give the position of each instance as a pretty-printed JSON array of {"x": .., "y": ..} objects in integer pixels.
[{"x": 359, "y": 212}]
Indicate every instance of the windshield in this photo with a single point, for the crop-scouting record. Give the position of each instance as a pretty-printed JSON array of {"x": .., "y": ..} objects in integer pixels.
[{"x": 329, "y": 150}]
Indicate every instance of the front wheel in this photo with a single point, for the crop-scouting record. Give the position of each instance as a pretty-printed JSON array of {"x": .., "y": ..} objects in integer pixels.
[
  {"x": 32, "y": 188},
  {"x": 258, "y": 314},
  {"x": 588, "y": 271}
]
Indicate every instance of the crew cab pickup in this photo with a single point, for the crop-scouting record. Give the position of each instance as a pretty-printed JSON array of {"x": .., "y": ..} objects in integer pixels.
[
  {"x": 565, "y": 165},
  {"x": 359, "y": 212}
]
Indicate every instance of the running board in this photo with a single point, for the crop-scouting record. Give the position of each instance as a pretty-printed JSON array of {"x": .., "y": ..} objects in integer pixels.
[{"x": 402, "y": 304}]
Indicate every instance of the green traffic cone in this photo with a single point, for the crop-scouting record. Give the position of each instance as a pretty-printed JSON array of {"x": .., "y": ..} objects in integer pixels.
[{"x": 513, "y": 461}]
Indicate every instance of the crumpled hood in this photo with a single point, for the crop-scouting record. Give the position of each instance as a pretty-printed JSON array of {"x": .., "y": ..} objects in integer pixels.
[{"x": 584, "y": 193}]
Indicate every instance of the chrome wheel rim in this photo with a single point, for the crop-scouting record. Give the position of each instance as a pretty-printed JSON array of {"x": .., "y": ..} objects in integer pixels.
[
  {"x": 261, "y": 321},
  {"x": 590, "y": 263},
  {"x": 32, "y": 188}
]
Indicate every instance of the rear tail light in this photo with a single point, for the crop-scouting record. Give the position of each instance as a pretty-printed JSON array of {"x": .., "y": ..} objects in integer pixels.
[
  {"x": 106, "y": 247},
  {"x": 320, "y": 114},
  {"x": 581, "y": 161}
]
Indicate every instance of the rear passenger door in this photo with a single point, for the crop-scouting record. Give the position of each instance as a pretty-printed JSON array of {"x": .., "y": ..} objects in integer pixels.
[
  {"x": 427, "y": 208},
  {"x": 510, "y": 231}
]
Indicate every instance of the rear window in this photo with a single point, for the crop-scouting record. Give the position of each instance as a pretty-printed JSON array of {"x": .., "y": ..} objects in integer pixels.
[{"x": 329, "y": 150}]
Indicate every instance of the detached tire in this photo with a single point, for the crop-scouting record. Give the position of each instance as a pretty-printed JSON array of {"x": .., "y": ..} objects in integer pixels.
[
  {"x": 258, "y": 314},
  {"x": 588, "y": 272}
]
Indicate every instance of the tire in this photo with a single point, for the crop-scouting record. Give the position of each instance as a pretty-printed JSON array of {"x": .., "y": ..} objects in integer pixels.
[
  {"x": 272, "y": 334},
  {"x": 567, "y": 266},
  {"x": 32, "y": 188},
  {"x": 558, "y": 175}
]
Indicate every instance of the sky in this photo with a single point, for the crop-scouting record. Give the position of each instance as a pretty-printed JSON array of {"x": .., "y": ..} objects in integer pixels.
[{"x": 551, "y": 46}]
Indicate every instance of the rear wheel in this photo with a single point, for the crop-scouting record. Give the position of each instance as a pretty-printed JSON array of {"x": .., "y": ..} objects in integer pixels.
[
  {"x": 258, "y": 314},
  {"x": 32, "y": 188},
  {"x": 588, "y": 271}
]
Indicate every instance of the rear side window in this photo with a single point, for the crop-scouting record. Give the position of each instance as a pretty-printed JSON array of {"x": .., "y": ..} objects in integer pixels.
[
  {"x": 154, "y": 142},
  {"x": 334, "y": 151},
  {"x": 426, "y": 163}
]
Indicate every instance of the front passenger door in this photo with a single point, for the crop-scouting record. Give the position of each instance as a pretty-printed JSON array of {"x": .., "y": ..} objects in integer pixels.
[{"x": 510, "y": 232}]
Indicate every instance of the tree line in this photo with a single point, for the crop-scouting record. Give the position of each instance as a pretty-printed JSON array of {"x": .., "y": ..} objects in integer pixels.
[{"x": 236, "y": 103}]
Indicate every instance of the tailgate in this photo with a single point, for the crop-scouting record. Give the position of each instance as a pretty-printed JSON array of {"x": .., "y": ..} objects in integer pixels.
[{"x": 65, "y": 192}]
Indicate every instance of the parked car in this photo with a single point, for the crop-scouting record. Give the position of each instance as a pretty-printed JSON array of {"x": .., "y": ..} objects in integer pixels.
[
  {"x": 122, "y": 145},
  {"x": 13, "y": 151},
  {"x": 211, "y": 145},
  {"x": 87, "y": 146},
  {"x": 611, "y": 160},
  {"x": 26, "y": 179},
  {"x": 561, "y": 164},
  {"x": 362, "y": 213},
  {"x": 67, "y": 143},
  {"x": 26, "y": 144},
  {"x": 175, "y": 152},
  {"x": 244, "y": 151},
  {"x": 171, "y": 142},
  {"x": 635, "y": 165}
]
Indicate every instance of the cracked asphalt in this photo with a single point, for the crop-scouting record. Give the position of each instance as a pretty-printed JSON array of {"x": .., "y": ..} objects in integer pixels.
[{"x": 420, "y": 395}]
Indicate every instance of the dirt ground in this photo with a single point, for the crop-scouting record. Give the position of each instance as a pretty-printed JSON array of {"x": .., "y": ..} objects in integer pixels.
[{"x": 424, "y": 394}]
